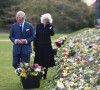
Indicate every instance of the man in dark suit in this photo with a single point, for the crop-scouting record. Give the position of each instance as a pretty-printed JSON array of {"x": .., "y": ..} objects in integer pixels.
[{"x": 21, "y": 34}]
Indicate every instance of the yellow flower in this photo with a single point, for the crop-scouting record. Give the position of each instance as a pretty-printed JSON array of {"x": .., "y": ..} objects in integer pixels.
[
  {"x": 23, "y": 71},
  {"x": 65, "y": 71},
  {"x": 59, "y": 83},
  {"x": 91, "y": 33},
  {"x": 84, "y": 60},
  {"x": 32, "y": 73},
  {"x": 94, "y": 51},
  {"x": 62, "y": 58},
  {"x": 25, "y": 66},
  {"x": 82, "y": 49},
  {"x": 35, "y": 73},
  {"x": 74, "y": 65},
  {"x": 83, "y": 45},
  {"x": 85, "y": 50},
  {"x": 82, "y": 54},
  {"x": 23, "y": 75},
  {"x": 79, "y": 44},
  {"x": 95, "y": 47},
  {"x": 99, "y": 69},
  {"x": 43, "y": 72},
  {"x": 87, "y": 88},
  {"x": 89, "y": 30},
  {"x": 64, "y": 39},
  {"x": 64, "y": 63},
  {"x": 69, "y": 88},
  {"x": 76, "y": 49},
  {"x": 69, "y": 71},
  {"x": 93, "y": 41},
  {"x": 29, "y": 69}
]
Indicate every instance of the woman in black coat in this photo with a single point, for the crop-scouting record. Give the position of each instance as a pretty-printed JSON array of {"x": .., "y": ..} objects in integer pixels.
[{"x": 42, "y": 43}]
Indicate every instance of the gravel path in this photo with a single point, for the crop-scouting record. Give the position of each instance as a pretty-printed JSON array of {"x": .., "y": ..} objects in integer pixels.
[{"x": 4, "y": 40}]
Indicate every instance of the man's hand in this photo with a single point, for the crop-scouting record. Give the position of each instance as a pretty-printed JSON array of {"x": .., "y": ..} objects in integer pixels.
[
  {"x": 20, "y": 41},
  {"x": 23, "y": 41}
]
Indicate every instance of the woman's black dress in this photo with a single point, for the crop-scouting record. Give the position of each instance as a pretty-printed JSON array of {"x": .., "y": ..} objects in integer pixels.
[{"x": 42, "y": 43}]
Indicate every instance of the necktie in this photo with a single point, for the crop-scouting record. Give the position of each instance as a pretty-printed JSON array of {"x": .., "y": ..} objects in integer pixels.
[{"x": 21, "y": 28}]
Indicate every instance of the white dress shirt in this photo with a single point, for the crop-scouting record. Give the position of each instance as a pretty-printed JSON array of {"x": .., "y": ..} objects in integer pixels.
[
  {"x": 22, "y": 31},
  {"x": 22, "y": 25}
]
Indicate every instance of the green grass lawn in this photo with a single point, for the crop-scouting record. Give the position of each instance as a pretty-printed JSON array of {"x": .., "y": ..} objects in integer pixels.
[
  {"x": 8, "y": 79},
  {"x": 4, "y": 36}
]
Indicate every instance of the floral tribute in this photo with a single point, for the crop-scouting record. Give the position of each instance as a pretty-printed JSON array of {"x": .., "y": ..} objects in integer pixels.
[{"x": 79, "y": 63}]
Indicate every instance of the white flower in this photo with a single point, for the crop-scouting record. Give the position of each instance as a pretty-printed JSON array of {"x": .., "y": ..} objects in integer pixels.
[
  {"x": 96, "y": 61},
  {"x": 98, "y": 87},
  {"x": 98, "y": 72},
  {"x": 38, "y": 70},
  {"x": 58, "y": 49},
  {"x": 74, "y": 75},
  {"x": 80, "y": 70},
  {"x": 18, "y": 70},
  {"x": 74, "y": 64},
  {"x": 67, "y": 67},
  {"x": 65, "y": 74},
  {"x": 91, "y": 59},
  {"x": 32, "y": 55},
  {"x": 98, "y": 64},
  {"x": 75, "y": 84},
  {"x": 60, "y": 85},
  {"x": 97, "y": 38},
  {"x": 90, "y": 71},
  {"x": 81, "y": 87},
  {"x": 76, "y": 89},
  {"x": 52, "y": 44},
  {"x": 61, "y": 79},
  {"x": 82, "y": 80},
  {"x": 71, "y": 61},
  {"x": 87, "y": 84},
  {"x": 26, "y": 64},
  {"x": 71, "y": 83}
]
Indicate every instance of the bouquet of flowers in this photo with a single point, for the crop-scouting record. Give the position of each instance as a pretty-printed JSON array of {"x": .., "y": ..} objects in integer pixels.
[
  {"x": 64, "y": 38},
  {"x": 60, "y": 41},
  {"x": 55, "y": 49},
  {"x": 28, "y": 69},
  {"x": 30, "y": 75}
]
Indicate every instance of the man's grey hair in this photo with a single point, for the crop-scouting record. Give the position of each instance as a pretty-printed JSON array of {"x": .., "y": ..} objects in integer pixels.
[{"x": 22, "y": 14}]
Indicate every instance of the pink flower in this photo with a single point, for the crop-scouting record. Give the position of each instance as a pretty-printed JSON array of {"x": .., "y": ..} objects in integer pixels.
[
  {"x": 63, "y": 76},
  {"x": 34, "y": 68},
  {"x": 35, "y": 65},
  {"x": 28, "y": 64},
  {"x": 85, "y": 62},
  {"x": 80, "y": 77}
]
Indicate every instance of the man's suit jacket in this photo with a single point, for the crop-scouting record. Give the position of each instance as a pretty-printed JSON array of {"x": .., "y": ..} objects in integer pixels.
[{"x": 28, "y": 34}]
